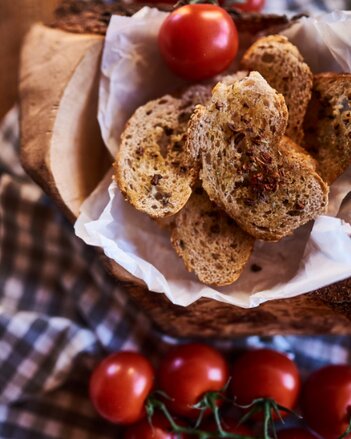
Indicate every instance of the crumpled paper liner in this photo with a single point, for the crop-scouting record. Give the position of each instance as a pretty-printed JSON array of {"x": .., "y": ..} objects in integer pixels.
[{"x": 316, "y": 255}]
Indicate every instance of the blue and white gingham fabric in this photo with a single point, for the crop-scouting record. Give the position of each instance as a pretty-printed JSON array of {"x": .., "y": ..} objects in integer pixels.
[
  {"x": 60, "y": 313},
  {"x": 305, "y": 6}
]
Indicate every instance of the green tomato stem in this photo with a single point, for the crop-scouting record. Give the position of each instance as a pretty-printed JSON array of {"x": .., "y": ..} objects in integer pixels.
[{"x": 209, "y": 401}]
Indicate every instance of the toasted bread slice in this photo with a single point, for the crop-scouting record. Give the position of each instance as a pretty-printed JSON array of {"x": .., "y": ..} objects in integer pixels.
[
  {"x": 209, "y": 241},
  {"x": 262, "y": 180},
  {"x": 328, "y": 124},
  {"x": 153, "y": 170},
  {"x": 282, "y": 65}
]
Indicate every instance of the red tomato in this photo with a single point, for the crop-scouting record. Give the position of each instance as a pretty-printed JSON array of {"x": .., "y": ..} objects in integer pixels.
[
  {"x": 268, "y": 374},
  {"x": 198, "y": 41},
  {"x": 229, "y": 425},
  {"x": 160, "y": 429},
  {"x": 246, "y": 5},
  {"x": 120, "y": 385},
  {"x": 187, "y": 373},
  {"x": 296, "y": 433},
  {"x": 326, "y": 400}
]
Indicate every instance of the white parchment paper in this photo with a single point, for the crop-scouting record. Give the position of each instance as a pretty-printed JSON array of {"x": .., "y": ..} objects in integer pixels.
[{"x": 317, "y": 254}]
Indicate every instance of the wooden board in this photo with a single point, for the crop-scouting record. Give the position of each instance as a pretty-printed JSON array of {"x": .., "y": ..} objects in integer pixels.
[
  {"x": 63, "y": 167},
  {"x": 15, "y": 20}
]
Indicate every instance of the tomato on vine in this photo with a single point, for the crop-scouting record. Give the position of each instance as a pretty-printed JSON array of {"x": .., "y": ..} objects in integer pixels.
[
  {"x": 120, "y": 385},
  {"x": 264, "y": 373},
  {"x": 188, "y": 372},
  {"x": 198, "y": 41},
  {"x": 326, "y": 400}
]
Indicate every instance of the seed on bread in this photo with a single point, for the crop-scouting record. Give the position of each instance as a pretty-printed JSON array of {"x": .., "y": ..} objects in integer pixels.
[
  {"x": 209, "y": 242},
  {"x": 282, "y": 65},
  {"x": 328, "y": 124},
  {"x": 260, "y": 178}
]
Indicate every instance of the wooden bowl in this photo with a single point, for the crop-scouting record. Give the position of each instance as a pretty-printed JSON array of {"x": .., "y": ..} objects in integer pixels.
[{"x": 62, "y": 149}]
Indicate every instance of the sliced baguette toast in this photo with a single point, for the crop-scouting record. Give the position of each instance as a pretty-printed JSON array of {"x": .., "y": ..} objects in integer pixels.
[
  {"x": 262, "y": 180},
  {"x": 328, "y": 124},
  {"x": 283, "y": 67},
  {"x": 209, "y": 241},
  {"x": 153, "y": 169}
]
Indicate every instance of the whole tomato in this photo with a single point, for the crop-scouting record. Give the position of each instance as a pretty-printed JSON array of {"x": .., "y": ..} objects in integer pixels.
[
  {"x": 158, "y": 429},
  {"x": 187, "y": 372},
  {"x": 326, "y": 400},
  {"x": 265, "y": 373},
  {"x": 198, "y": 41},
  {"x": 120, "y": 385},
  {"x": 245, "y": 5},
  {"x": 296, "y": 433}
]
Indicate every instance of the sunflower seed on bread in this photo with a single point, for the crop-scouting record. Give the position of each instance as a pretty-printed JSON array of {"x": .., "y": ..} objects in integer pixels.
[
  {"x": 283, "y": 67},
  {"x": 258, "y": 177},
  {"x": 328, "y": 124},
  {"x": 209, "y": 241}
]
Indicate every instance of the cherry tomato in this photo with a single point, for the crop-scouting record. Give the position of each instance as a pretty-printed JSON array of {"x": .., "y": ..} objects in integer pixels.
[
  {"x": 246, "y": 5},
  {"x": 159, "y": 429},
  {"x": 296, "y": 433},
  {"x": 326, "y": 400},
  {"x": 268, "y": 374},
  {"x": 120, "y": 385},
  {"x": 189, "y": 371},
  {"x": 229, "y": 425},
  {"x": 198, "y": 41}
]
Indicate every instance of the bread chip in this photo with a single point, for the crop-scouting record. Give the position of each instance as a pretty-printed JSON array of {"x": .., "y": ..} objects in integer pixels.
[
  {"x": 153, "y": 170},
  {"x": 328, "y": 124},
  {"x": 259, "y": 178},
  {"x": 209, "y": 241},
  {"x": 282, "y": 65}
]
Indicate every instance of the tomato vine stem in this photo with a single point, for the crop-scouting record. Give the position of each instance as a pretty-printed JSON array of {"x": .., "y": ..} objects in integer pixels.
[
  {"x": 269, "y": 407},
  {"x": 208, "y": 401}
]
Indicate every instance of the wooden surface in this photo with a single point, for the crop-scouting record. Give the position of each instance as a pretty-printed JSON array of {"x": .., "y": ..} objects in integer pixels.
[
  {"x": 16, "y": 16},
  {"x": 61, "y": 142},
  {"x": 325, "y": 311}
]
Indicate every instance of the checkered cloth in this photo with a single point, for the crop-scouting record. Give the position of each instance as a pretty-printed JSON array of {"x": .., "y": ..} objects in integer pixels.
[
  {"x": 305, "y": 6},
  {"x": 60, "y": 313}
]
